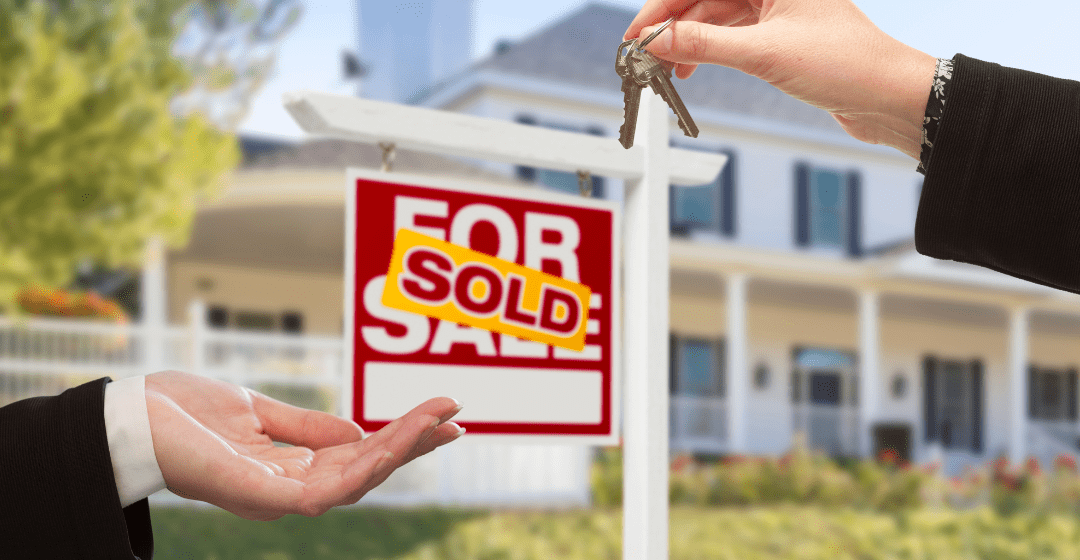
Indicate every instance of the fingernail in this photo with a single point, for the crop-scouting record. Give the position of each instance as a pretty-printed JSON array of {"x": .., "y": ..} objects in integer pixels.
[
  {"x": 431, "y": 428},
  {"x": 451, "y": 414},
  {"x": 384, "y": 461},
  {"x": 460, "y": 432}
]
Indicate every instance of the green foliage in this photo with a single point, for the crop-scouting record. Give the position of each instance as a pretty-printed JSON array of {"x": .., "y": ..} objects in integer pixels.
[
  {"x": 780, "y": 532},
  {"x": 805, "y": 478},
  {"x": 606, "y": 478},
  {"x": 214, "y": 534},
  {"x": 92, "y": 161}
]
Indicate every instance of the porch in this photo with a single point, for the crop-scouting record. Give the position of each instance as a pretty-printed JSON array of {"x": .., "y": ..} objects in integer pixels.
[{"x": 946, "y": 355}]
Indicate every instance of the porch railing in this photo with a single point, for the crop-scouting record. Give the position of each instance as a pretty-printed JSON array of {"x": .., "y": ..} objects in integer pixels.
[
  {"x": 698, "y": 424},
  {"x": 40, "y": 356},
  {"x": 1047, "y": 440},
  {"x": 830, "y": 429}
]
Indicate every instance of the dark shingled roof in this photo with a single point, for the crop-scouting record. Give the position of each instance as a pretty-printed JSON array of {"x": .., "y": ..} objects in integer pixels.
[{"x": 580, "y": 49}]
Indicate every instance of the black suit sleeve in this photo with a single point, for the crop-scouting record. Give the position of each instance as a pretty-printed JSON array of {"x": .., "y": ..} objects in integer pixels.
[
  {"x": 58, "y": 497},
  {"x": 1002, "y": 188}
]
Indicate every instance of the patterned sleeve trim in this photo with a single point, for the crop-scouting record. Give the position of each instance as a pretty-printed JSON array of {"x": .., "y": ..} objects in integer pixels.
[{"x": 935, "y": 108}]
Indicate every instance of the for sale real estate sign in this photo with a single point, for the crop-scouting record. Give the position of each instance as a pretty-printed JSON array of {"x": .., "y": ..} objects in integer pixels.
[{"x": 503, "y": 298}]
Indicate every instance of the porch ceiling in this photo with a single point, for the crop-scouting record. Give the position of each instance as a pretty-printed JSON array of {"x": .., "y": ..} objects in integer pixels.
[
  {"x": 808, "y": 296},
  {"x": 942, "y": 311},
  {"x": 295, "y": 238}
]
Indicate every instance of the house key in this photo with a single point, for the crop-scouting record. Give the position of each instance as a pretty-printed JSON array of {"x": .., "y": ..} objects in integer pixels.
[{"x": 639, "y": 68}]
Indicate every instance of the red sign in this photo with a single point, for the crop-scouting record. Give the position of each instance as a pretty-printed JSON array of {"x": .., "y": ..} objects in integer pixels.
[{"x": 510, "y": 386}]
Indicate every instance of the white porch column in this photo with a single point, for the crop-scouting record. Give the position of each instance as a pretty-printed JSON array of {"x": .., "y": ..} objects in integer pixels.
[
  {"x": 647, "y": 394},
  {"x": 152, "y": 301},
  {"x": 1018, "y": 385},
  {"x": 738, "y": 384},
  {"x": 197, "y": 326},
  {"x": 869, "y": 375}
]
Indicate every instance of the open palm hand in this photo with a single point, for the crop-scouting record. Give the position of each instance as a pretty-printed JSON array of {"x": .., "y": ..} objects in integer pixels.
[{"x": 214, "y": 442}]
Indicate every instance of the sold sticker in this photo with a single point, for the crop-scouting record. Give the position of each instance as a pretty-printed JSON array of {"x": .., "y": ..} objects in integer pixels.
[{"x": 439, "y": 279}]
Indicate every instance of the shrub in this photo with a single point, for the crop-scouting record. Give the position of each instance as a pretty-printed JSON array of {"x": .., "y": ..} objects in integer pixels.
[{"x": 885, "y": 485}]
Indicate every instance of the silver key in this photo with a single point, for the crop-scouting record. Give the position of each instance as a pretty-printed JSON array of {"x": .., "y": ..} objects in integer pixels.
[
  {"x": 661, "y": 84},
  {"x": 639, "y": 68},
  {"x": 631, "y": 94}
]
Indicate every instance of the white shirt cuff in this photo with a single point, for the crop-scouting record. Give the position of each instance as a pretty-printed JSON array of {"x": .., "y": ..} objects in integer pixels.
[{"x": 131, "y": 446}]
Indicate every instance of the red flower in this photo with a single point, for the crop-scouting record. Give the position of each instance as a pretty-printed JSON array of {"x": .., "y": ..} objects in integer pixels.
[
  {"x": 1031, "y": 466},
  {"x": 889, "y": 456},
  {"x": 1065, "y": 462},
  {"x": 681, "y": 462},
  {"x": 1009, "y": 481}
]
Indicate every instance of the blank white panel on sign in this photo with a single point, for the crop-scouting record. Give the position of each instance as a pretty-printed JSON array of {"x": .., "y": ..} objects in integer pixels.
[{"x": 524, "y": 395}]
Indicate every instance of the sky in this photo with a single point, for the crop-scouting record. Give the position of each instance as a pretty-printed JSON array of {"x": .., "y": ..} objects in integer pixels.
[{"x": 1038, "y": 36}]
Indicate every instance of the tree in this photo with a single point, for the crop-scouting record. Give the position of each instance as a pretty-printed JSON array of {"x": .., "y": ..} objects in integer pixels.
[
  {"x": 230, "y": 47},
  {"x": 95, "y": 154}
]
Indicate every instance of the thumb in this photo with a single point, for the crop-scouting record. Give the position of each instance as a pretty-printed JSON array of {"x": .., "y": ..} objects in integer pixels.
[{"x": 692, "y": 42}]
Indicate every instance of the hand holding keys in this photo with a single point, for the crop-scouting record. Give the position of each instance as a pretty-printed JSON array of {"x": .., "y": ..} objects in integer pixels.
[{"x": 639, "y": 68}]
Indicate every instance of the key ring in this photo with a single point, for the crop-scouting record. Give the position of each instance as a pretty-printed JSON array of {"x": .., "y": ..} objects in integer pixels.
[{"x": 654, "y": 34}]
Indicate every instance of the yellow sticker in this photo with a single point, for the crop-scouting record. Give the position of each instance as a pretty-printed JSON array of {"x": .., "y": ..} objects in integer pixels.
[{"x": 454, "y": 283}]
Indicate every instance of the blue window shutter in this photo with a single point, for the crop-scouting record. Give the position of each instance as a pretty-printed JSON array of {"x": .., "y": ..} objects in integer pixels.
[
  {"x": 802, "y": 205},
  {"x": 977, "y": 405},
  {"x": 1072, "y": 396},
  {"x": 930, "y": 401},
  {"x": 727, "y": 196},
  {"x": 854, "y": 226}
]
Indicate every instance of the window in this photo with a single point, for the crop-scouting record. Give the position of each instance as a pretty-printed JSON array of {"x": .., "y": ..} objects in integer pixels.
[
  {"x": 221, "y": 317},
  {"x": 292, "y": 322},
  {"x": 254, "y": 321},
  {"x": 708, "y": 207},
  {"x": 1052, "y": 394},
  {"x": 696, "y": 367},
  {"x": 562, "y": 181},
  {"x": 828, "y": 209},
  {"x": 823, "y": 377},
  {"x": 217, "y": 316}
]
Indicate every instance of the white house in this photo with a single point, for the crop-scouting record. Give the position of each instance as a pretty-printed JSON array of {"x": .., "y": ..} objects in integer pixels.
[{"x": 798, "y": 303}]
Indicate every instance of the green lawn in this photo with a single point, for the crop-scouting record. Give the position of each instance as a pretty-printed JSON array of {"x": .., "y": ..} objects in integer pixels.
[{"x": 751, "y": 533}]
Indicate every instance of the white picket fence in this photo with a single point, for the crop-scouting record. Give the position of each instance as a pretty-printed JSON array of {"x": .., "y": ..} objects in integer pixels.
[{"x": 45, "y": 356}]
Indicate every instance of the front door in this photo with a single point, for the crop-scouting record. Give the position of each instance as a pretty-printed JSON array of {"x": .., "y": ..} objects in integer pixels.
[
  {"x": 953, "y": 404},
  {"x": 823, "y": 396}
]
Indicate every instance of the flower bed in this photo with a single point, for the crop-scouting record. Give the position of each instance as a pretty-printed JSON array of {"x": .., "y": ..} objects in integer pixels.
[
  {"x": 884, "y": 485},
  {"x": 62, "y": 303}
]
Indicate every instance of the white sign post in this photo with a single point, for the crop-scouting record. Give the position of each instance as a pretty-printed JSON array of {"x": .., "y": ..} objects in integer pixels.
[{"x": 649, "y": 168}]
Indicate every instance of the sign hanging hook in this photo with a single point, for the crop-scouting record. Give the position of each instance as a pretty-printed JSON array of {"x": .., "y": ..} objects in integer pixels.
[
  {"x": 389, "y": 151},
  {"x": 584, "y": 182}
]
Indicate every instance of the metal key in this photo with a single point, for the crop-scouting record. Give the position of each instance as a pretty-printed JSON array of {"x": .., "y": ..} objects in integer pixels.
[
  {"x": 661, "y": 84},
  {"x": 639, "y": 68},
  {"x": 631, "y": 93}
]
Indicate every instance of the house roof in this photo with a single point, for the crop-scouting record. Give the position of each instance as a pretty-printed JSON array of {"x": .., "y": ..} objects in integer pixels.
[{"x": 579, "y": 49}]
